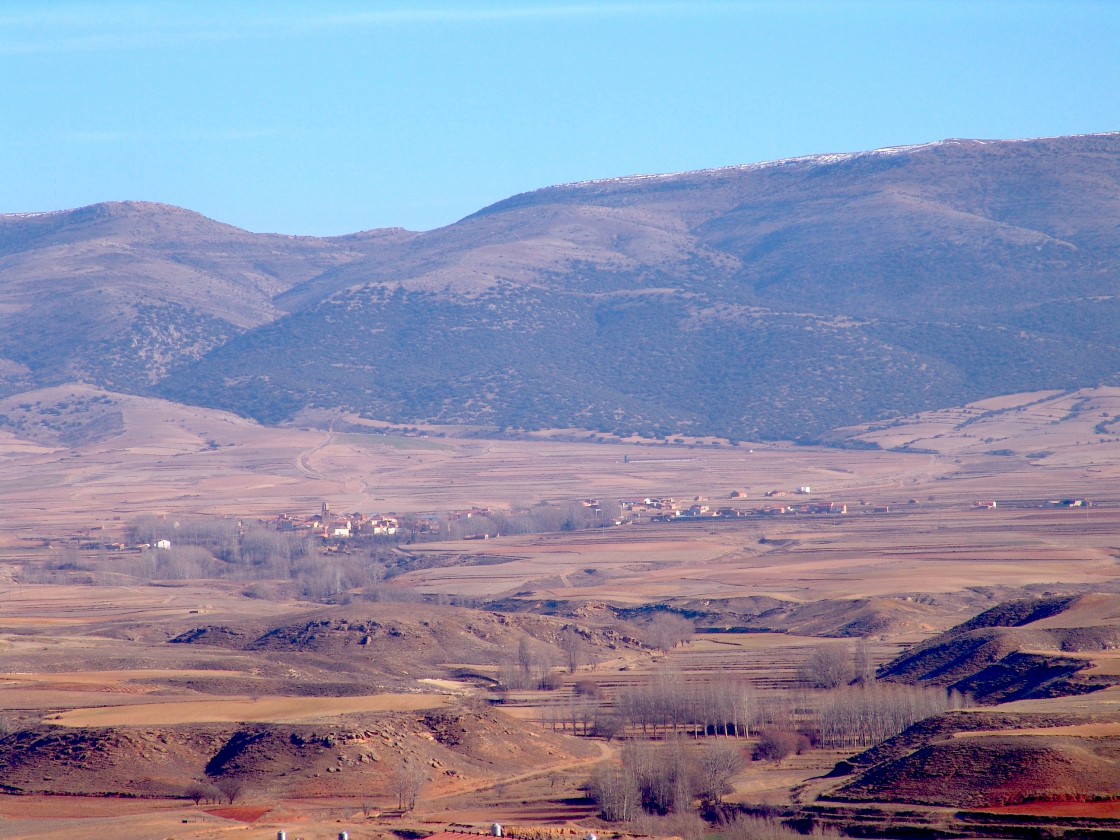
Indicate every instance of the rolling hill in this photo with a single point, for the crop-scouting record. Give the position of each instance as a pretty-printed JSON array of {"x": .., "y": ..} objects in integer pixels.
[
  {"x": 118, "y": 294},
  {"x": 1019, "y": 650},
  {"x": 353, "y": 757},
  {"x": 985, "y": 760},
  {"x": 773, "y": 300}
]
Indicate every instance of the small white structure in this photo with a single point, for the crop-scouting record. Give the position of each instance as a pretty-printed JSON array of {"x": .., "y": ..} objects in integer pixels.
[
  {"x": 163, "y": 544},
  {"x": 384, "y": 526}
]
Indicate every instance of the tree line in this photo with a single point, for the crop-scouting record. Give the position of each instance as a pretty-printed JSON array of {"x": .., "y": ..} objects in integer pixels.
[
  {"x": 857, "y": 715},
  {"x": 664, "y": 778}
]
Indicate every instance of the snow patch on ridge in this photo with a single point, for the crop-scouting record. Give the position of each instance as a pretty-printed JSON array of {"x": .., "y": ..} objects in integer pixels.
[
  {"x": 31, "y": 215},
  {"x": 827, "y": 159}
]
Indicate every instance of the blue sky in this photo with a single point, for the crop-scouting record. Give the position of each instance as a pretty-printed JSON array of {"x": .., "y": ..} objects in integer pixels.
[{"x": 331, "y": 117}]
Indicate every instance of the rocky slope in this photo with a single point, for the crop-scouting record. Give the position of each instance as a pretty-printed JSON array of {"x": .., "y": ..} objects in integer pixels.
[{"x": 356, "y": 757}]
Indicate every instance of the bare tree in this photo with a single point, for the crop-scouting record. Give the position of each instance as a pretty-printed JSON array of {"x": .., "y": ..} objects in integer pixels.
[
  {"x": 716, "y": 766},
  {"x": 864, "y": 663},
  {"x": 230, "y": 788},
  {"x": 550, "y": 681},
  {"x": 864, "y": 715},
  {"x": 664, "y": 774},
  {"x": 198, "y": 791},
  {"x": 524, "y": 656},
  {"x": 530, "y": 668},
  {"x": 776, "y": 745},
  {"x": 582, "y": 712},
  {"x": 574, "y": 647},
  {"x": 828, "y": 666},
  {"x": 615, "y": 791},
  {"x": 607, "y": 725},
  {"x": 588, "y": 688},
  {"x": 667, "y": 630},
  {"x": 722, "y": 705},
  {"x": 407, "y": 780}
]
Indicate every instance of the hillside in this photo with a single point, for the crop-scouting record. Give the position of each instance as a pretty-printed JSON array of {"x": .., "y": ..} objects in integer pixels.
[
  {"x": 829, "y": 618},
  {"x": 1023, "y": 649},
  {"x": 774, "y": 300},
  {"x": 1036, "y": 426},
  {"x": 354, "y": 757},
  {"x": 984, "y": 760},
  {"x": 815, "y": 291},
  {"x": 395, "y": 641},
  {"x": 140, "y": 287}
]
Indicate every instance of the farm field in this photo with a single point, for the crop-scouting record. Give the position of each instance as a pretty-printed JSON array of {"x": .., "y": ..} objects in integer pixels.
[
  {"x": 414, "y": 664},
  {"x": 197, "y": 461},
  {"x": 946, "y": 547}
]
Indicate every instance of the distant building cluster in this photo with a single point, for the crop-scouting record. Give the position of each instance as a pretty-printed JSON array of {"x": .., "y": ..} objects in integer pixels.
[
  {"x": 332, "y": 526},
  {"x": 669, "y": 510},
  {"x": 478, "y": 523}
]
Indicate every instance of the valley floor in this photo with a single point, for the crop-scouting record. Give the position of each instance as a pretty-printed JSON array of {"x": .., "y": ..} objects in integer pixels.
[{"x": 412, "y": 670}]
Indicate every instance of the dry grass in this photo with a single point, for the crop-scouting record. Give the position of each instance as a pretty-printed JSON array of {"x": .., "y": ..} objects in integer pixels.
[
  {"x": 96, "y": 655},
  {"x": 930, "y": 548},
  {"x": 247, "y": 710},
  {"x": 192, "y": 460}
]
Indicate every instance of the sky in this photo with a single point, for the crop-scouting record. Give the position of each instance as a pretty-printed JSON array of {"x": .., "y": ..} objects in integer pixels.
[{"x": 327, "y": 118}]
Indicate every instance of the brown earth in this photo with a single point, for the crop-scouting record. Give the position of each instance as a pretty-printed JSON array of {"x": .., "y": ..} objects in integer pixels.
[
  {"x": 354, "y": 757},
  {"x": 986, "y": 759},
  {"x": 1090, "y": 810},
  {"x": 1019, "y": 650},
  {"x": 241, "y": 813},
  {"x": 994, "y": 770},
  {"x": 896, "y": 577}
]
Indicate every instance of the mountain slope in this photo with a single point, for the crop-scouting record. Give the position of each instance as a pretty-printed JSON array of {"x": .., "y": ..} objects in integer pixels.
[
  {"x": 118, "y": 294},
  {"x": 769, "y": 300},
  {"x": 774, "y": 300}
]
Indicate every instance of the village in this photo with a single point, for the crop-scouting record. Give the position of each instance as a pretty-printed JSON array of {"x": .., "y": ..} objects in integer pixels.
[
  {"x": 333, "y": 529},
  {"x": 337, "y": 532}
]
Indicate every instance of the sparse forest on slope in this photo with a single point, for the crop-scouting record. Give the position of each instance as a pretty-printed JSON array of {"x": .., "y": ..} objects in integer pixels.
[
  {"x": 774, "y": 300},
  {"x": 120, "y": 294}
]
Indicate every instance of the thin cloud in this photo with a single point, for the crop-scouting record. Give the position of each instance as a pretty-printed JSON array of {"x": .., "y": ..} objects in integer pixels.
[
  {"x": 514, "y": 13},
  {"x": 118, "y": 40},
  {"x": 133, "y": 26},
  {"x": 192, "y": 135}
]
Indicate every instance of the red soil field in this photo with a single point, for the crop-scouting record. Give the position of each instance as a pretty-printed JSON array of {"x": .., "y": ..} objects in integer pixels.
[
  {"x": 241, "y": 813},
  {"x": 1106, "y": 809}
]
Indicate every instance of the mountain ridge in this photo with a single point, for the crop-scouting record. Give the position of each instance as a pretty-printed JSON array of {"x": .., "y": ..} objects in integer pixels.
[{"x": 775, "y": 299}]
